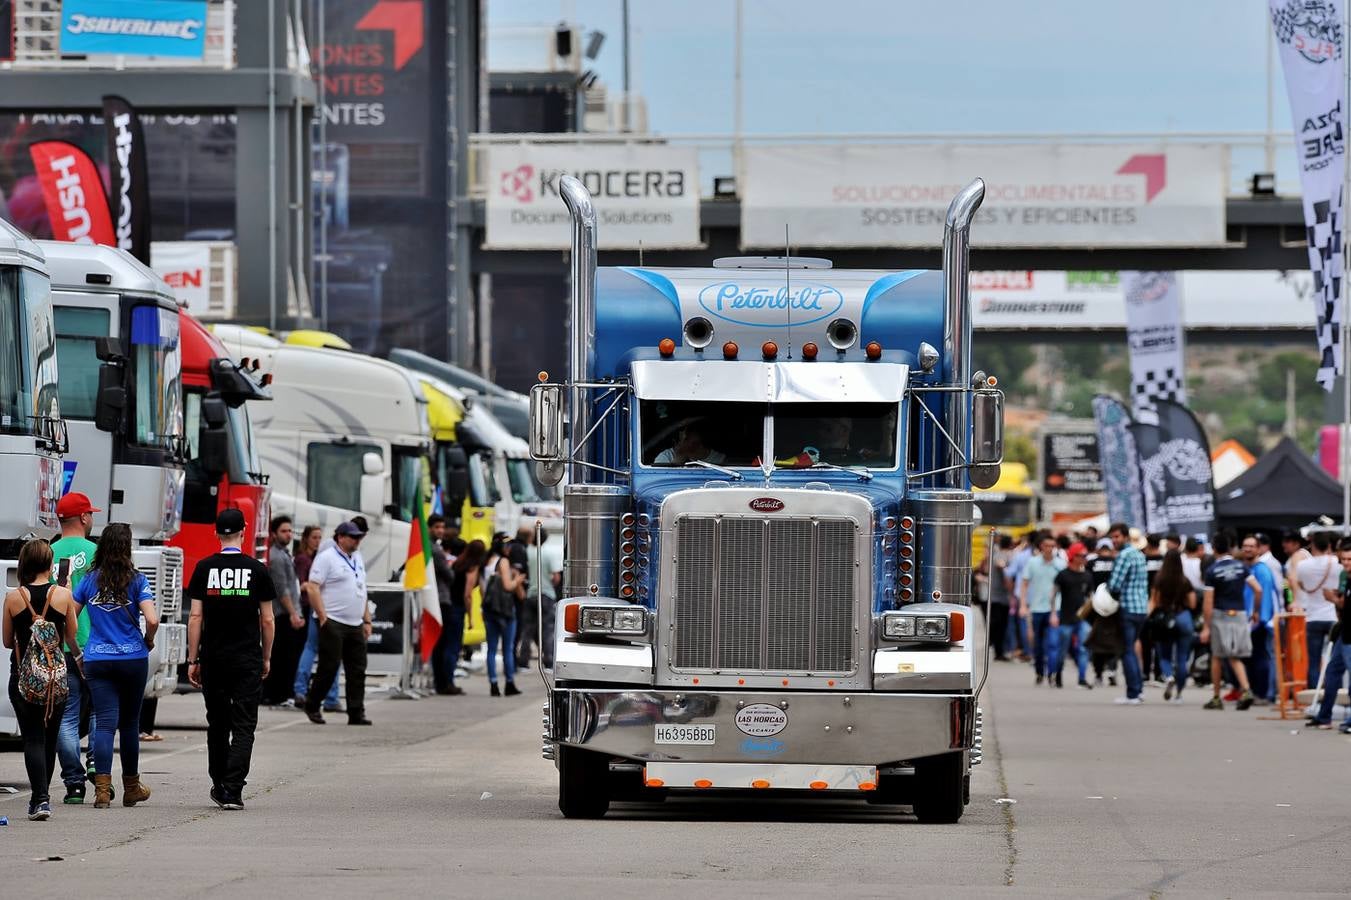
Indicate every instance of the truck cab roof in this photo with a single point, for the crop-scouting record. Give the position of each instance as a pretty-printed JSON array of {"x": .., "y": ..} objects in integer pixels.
[
  {"x": 97, "y": 268},
  {"x": 18, "y": 249}
]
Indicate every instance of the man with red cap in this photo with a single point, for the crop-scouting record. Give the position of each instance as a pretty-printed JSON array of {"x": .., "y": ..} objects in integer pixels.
[
  {"x": 72, "y": 555},
  {"x": 1072, "y": 587}
]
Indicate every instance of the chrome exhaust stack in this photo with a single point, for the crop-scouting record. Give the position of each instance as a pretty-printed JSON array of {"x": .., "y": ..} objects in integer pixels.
[
  {"x": 957, "y": 323},
  {"x": 582, "y": 319}
]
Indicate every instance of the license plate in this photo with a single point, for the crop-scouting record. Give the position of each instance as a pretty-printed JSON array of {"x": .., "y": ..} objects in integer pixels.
[{"x": 687, "y": 734}]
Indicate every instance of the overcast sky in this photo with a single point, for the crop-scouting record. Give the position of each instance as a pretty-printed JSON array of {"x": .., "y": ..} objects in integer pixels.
[{"x": 911, "y": 66}]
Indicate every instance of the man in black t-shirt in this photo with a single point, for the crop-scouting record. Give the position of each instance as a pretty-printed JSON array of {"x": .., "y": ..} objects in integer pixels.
[
  {"x": 1072, "y": 587},
  {"x": 229, "y": 651}
]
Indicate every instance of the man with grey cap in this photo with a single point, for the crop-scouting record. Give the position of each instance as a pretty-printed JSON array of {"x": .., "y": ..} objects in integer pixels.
[
  {"x": 337, "y": 589},
  {"x": 230, "y": 635}
]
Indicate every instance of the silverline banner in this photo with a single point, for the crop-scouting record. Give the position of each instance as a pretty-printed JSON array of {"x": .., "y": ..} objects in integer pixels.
[{"x": 1311, "y": 35}]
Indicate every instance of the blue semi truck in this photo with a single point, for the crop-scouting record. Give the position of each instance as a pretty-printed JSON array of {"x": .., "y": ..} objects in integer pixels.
[{"x": 768, "y": 528}]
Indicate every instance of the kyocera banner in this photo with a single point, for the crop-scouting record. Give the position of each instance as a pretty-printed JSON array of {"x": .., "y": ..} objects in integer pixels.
[
  {"x": 130, "y": 194},
  {"x": 840, "y": 195},
  {"x": 73, "y": 193},
  {"x": 134, "y": 27},
  {"x": 646, "y": 195}
]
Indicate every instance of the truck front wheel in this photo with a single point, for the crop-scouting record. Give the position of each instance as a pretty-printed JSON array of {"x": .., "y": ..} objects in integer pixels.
[
  {"x": 940, "y": 789},
  {"x": 583, "y": 783}
]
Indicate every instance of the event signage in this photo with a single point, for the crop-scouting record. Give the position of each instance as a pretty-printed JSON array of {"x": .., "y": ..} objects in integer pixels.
[
  {"x": 73, "y": 193},
  {"x": 1052, "y": 195},
  {"x": 1120, "y": 463},
  {"x": 186, "y": 267},
  {"x": 1154, "y": 334},
  {"x": 645, "y": 195},
  {"x": 1178, "y": 486},
  {"x": 1310, "y": 36},
  {"x": 1069, "y": 462},
  {"x": 134, "y": 27},
  {"x": 130, "y": 178}
]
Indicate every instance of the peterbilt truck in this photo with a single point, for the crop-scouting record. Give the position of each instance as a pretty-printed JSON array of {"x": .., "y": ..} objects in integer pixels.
[{"x": 768, "y": 523}]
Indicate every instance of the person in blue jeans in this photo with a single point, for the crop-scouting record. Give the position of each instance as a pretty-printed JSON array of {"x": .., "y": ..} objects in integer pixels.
[
  {"x": 1174, "y": 593},
  {"x": 501, "y": 588},
  {"x": 1129, "y": 583},
  {"x": 1340, "y": 662},
  {"x": 1072, "y": 587},
  {"x": 1038, "y": 586},
  {"x": 116, "y": 665},
  {"x": 310, "y": 539},
  {"x": 1261, "y": 673}
]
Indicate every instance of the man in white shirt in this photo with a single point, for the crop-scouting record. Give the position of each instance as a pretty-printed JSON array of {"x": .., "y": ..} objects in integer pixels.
[
  {"x": 691, "y": 444},
  {"x": 337, "y": 590},
  {"x": 1313, "y": 581},
  {"x": 1268, "y": 559}
]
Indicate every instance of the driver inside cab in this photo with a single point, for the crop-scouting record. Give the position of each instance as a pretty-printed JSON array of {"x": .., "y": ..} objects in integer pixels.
[{"x": 691, "y": 445}]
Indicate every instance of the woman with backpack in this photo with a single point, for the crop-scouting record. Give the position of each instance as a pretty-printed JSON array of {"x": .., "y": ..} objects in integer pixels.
[
  {"x": 116, "y": 664},
  {"x": 503, "y": 580},
  {"x": 1171, "y": 603},
  {"x": 38, "y": 616}
]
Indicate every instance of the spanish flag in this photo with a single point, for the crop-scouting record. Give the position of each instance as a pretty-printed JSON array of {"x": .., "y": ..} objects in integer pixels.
[{"x": 418, "y": 575}]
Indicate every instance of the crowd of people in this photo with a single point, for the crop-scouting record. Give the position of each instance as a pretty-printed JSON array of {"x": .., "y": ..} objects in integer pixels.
[
  {"x": 1171, "y": 611},
  {"x": 82, "y": 621}
]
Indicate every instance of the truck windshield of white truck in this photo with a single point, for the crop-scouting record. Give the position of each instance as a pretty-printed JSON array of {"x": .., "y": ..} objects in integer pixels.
[
  {"x": 682, "y": 432},
  {"x": 157, "y": 377},
  {"x": 27, "y": 352}
]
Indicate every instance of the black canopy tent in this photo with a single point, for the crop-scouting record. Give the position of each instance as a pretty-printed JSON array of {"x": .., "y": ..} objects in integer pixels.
[{"x": 1283, "y": 489}]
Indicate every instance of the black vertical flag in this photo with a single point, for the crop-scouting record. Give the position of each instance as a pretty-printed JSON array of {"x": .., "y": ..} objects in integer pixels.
[
  {"x": 1175, "y": 474},
  {"x": 130, "y": 179}
]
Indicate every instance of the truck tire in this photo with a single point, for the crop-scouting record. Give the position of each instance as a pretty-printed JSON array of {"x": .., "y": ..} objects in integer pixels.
[
  {"x": 940, "y": 789},
  {"x": 583, "y": 783}
]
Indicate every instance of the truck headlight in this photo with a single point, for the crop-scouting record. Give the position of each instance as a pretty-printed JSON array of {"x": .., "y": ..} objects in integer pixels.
[
  {"x": 622, "y": 621},
  {"x": 898, "y": 627},
  {"x": 935, "y": 627}
]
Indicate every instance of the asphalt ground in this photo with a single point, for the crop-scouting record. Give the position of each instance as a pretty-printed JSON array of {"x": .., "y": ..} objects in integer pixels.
[{"x": 449, "y": 797}]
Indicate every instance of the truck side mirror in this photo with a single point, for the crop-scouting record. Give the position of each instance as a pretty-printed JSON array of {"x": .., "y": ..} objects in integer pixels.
[
  {"x": 457, "y": 476},
  {"x": 213, "y": 441},
  {"x": 987, "y": 437},
  {"x": 372, "y": 495},
  {"x": 546, "y": 431},
  {"x": 111, "y": 400}
]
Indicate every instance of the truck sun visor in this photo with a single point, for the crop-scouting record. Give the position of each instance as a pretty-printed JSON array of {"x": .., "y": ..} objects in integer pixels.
[{"x": 147, "y": 330}]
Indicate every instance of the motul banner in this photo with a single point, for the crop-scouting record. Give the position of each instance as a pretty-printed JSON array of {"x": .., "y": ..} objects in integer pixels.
[
  {"x": 1310, "y": 35},
  {"x": 1179, "y": 489},
  {"x": 645, "y": 195},
  {"x": 129, "y": 177},
  {"x": 1119, "y": 460},
  {"x": 73, "y": 193},
  {"x": 1049, "y": 195},
  {"x": 1154, "y": 332}
]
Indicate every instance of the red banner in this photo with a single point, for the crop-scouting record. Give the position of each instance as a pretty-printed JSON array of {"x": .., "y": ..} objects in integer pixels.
[{"x": 73, "y": 192}]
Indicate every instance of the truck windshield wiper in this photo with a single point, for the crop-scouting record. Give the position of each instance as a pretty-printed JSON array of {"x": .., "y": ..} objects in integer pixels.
[
  {"x": 861, "y": 471},
  {"x": 730, "y": 473}
]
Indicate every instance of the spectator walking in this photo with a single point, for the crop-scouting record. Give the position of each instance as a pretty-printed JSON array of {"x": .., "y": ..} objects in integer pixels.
[
  {"x": 76, "y": 550},
  {"x": 547, "y": 566},
  {"x": 998, "y": 564},
  {"x": 1339, "y": 664},
  {"x": 519, "y": 551},
  {"x": 37, "y": 616},
  {"x": 1017, "y": 640},
  {"x": 1172, "y": 602},
  {"x": 1313, "y": 579},
  {"x": 117, "y": 597},
  {"x": 1035, "y": 601},
  {"x": 1192, "y": 564},
  {"x": 230, "y": 640},
  {"x": 1072, "y": 587},
  {"x": 288, "y": 623},
  {"x": 503, "y": 583},
  {"x": 443, "y": 658},
  {"x": 310, "y": 540},
  {"x": 1224, "y": 623},
  {"x": 1262, "y": 611},
  {"x": 1129, "y": 583},
  {"x": 337, "y": 585}
]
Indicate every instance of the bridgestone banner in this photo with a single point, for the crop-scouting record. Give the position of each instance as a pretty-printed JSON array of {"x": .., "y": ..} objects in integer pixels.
[
  {"x": 839, "y": 195},
  {"x": 73, "y": 193},
  {"x": 1178, "y": 487},
  {"x": 1310, "y": 36},
  {"x": 130, "y": 180},
  {"x": 1119, "y": 460},
  {"x": 644, "y": 195},
  {"x": 1154, "y": 333}
]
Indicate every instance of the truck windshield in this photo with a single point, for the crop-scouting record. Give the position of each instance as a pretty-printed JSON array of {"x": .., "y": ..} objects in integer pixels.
[
  {"x": 482, "y": 485},
  {"x": 999, "y": 508},
  {"x": 842, "y": 434},
  {"x": 242, "y": 449},
  {"x": 676, "y": 432},
  {"x": 78, "y": 364},
  {"x": 522, "y": 483},
  {"x": 157, "y": 370},
  {"x": 28, "y": 388}
]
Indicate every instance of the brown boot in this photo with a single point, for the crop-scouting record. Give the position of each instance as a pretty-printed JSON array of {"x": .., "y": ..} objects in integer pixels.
[
  {"x": 133, "y": 791},
  {"x": 103, "y": 791}
]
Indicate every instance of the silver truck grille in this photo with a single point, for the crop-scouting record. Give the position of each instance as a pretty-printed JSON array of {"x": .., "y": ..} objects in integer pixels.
[{"x": 757, "y": 595}]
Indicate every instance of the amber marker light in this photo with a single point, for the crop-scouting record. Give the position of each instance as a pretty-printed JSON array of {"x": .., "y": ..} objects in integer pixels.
[
  {"x": 570, "y": 615},
  {"x": 769, "y": 349},
  {"x": 867, "y": 786},
  {"x": 730, "y": 350},
  {"x": 809, "y": 351},
  {"x": 818, "y": 785},
  {"x": 543, "y": 377},
  {"x": 956, "y": 627},
  {"x": 655, "y": 783},
  {"x": 760, "y": 783},
  {"x": 873, "y": 351},
  {"x": 703, "y": 783},
  {"x": 666, "y": 348}
]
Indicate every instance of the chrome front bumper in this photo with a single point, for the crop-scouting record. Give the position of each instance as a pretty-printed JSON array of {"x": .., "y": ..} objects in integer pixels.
[{"x": 836, "y": 728}]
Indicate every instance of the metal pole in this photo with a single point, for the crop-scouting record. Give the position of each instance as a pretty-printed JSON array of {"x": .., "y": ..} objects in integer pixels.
[
  {"x": 324, "y": 180},
  {"x": 628, "y": 123},
  {"x": 272, "y": 164},
  {"x": 303, "y": 307},
  {"x": 737, "y": 110},
  {"x": 1270, "y": 142}
]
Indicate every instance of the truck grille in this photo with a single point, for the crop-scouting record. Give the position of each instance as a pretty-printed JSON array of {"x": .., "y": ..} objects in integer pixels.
[
  {"x": 163, "y": 569},
  {"x": 757, "y": 595}
]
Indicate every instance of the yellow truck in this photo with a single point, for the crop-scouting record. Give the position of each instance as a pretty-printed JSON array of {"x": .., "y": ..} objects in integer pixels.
[{"x": 1008, "y": 506}]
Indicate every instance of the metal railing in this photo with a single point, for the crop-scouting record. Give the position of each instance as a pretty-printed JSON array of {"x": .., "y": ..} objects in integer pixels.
[{"x": 721, "y": 155}]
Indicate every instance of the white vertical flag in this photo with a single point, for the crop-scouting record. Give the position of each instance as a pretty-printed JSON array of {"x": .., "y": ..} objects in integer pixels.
[
  {"x": 1310, "y": 34},
  {"x": 1154, "y": 333}
]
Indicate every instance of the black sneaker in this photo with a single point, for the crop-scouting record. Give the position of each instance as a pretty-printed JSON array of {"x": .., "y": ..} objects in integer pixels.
[
  {"x": 316, "y": 717},
  {"x": 218, "y": 797},
  {"x": 1083, "y": 683},
  {"x": 1245, "y": 701},
  {"x": 40, "y": 813},
  {"x": 1059, "y": 680},
  {"x": 512, "y": 690},
  {"x": 233, "y": 801},
  {"x": 74, "y": 793},
  {"x": 359, "y": 720},
  {"x": 1040, "y": 679},
  {"x": 493, "y": 690}
]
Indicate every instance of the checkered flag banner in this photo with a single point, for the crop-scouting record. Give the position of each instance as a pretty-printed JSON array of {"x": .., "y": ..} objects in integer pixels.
[
  {"x": 1310, "y": 34},
  {"x": 1154, "y": 333}
]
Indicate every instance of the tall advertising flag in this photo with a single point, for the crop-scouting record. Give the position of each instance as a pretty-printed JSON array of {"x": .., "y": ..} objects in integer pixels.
[
  {"x": 1179, "y": 489},
  {"x": 1154, "y": 333},
  {"x": 130, "y": 177},
  {"x": 419, "y": 577},
  {"x": 1119, "y": 460},
  {"x": 73, "y": 193},
  {"x": 1310, "y": 35}
]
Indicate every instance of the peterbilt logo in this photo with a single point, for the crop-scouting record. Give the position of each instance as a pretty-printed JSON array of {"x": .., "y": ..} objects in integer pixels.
[{"x": 766, "y": 504}]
